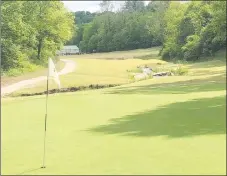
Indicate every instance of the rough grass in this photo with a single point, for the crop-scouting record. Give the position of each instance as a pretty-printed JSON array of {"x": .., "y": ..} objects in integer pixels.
[
  {"x": 91, "y": 70},
  {"x": 96, "y": 69},
  {"x": 170, "y": 125},
  {"x": 39, "y": 71}
]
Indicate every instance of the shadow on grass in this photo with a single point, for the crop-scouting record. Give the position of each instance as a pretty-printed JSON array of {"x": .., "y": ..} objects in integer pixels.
[
  {"x": 205, "y": 72},
  {"x": 182, "y": 119},
  {"x": 215, "y": 83},
  {"x": 148, "y": 56},
  {"x": 219, "y": 59},
  {"x": 29, "y": 171},
  {"x": 210, "y": 64}
]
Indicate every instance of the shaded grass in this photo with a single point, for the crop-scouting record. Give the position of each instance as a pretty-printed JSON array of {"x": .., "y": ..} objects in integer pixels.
[
  {"x": 216, "y": 62},
  {"x": 213, "y": 83},
  {"x": 172, "y": 89},
  {"x": 196, "y": 117}
]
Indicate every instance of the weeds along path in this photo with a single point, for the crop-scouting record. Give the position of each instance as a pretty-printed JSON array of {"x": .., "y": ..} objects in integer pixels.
[{"x": 69, "y": 67}]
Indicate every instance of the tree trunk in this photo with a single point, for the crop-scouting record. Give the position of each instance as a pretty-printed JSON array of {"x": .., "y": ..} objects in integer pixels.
[{"x": 39, "y": 48}]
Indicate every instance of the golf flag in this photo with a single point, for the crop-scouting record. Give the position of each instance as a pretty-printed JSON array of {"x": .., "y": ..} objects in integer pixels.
[{"x": 52, "y": 72}]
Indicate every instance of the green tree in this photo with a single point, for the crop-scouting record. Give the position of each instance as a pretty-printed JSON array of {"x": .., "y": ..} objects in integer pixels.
[
  {"x": 32, "y": 30},
  {"x": 81, "y": 18},
  {"x": 54, "y": 26},
  {"x": 198, "y": 29},
  {"x": 172, "y": 19},
  {"x": 132, "y": 6},
  {"x": 13, "y": 32}
]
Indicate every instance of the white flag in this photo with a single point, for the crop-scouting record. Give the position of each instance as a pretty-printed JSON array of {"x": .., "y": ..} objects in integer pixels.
[{"x": 52, "y": 72}]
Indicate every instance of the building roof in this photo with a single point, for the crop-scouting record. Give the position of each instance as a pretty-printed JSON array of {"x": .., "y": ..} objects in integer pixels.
[{"x": 70, "y": 47}]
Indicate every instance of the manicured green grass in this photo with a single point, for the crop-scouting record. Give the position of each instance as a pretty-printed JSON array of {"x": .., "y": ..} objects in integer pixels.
[
  {"x": 94, "y": 132},
  {"x": 169, "y": 125}
]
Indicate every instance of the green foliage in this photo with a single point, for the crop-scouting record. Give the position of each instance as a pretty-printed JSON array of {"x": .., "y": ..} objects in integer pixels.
[
  {"x": 180, "y": 70},
  {"x": 25, "y": 67},
  {"x": 81, "y": 19},
  {"x": 133, "y": 26},
  {"x": 172, "y": 18},
  {"x": 194, "y": 30},
  {"x": 112, "y": 32},
  {"x": 132, "y": 6},
  {"x": 32, "y": 31}
]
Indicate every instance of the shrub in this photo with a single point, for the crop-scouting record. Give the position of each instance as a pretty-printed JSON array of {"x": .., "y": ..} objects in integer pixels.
[
  {"x": 24, "y": 67},
  {"x": 14, "y": 72},
  {"x": 180, "y": 70}
]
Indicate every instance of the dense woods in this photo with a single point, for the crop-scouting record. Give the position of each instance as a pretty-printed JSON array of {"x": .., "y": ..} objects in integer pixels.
[
  {"x": 34, "y": 30},
  {"x": 195, "y": 29},
  {"x": 185, "y": 31},
  {"x": 133, "y": 26}
]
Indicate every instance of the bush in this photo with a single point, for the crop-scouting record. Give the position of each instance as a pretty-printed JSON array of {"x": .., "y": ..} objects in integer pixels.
[
  {"x": 180, "y": 70},
  {"x": 24, "y": 68},
  {"x": 192, "y": 49},
  {"x": 14, "y": 72}
]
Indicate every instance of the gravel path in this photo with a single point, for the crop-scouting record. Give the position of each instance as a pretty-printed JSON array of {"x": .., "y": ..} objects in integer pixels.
[{"x": 69, "y": 67}]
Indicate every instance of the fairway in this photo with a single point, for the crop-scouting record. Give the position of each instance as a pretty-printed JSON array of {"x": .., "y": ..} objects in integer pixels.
[{"x": 169, "y": 125}]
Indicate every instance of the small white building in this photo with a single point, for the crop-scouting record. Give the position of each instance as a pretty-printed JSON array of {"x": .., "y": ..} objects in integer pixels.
[{"x": 69, "y": 50}]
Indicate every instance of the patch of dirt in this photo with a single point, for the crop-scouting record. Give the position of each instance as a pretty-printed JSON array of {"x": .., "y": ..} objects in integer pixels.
[
  {"x": 68, "y": 68},
  {"x": 69, "y": 89}
]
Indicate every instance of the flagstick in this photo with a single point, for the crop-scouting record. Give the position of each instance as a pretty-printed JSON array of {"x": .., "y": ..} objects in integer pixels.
[{"x": 44, "y": 152}]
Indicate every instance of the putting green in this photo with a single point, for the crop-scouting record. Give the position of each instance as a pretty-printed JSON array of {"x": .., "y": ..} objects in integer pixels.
[{"x": 109, "y": 132}]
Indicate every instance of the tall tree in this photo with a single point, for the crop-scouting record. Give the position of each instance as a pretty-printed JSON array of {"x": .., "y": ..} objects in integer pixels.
[
  {"x": 13, "y": 32},
  {"x": 132, "y": 6},
  {"x": 33, "y": 30},
  {"x": 81, "y": 19},
  {"x": 106, "y": 6},
  {"x": 54, "y": 25},
  {"x": 198, "y": 30}
]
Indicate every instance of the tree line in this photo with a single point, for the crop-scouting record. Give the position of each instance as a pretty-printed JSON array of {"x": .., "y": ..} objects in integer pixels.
[
  {"x": 185, "y": 31},
  {"x": 133, "y": 26},
  {"x": 32, "y": 31}
]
